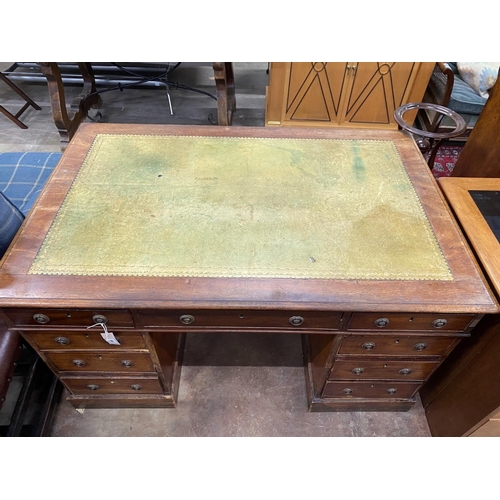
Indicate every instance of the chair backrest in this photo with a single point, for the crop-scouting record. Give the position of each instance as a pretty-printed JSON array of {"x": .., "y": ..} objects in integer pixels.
[{"x": 480, "y": 156}]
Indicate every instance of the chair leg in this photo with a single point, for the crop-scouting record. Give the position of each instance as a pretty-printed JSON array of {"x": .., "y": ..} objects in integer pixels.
[
  {"x": 29, "y": 102},
  {"x": 53, "y": 397},
  {"x": 19, "y": 414},
  {"x": 224, "y": 84}
]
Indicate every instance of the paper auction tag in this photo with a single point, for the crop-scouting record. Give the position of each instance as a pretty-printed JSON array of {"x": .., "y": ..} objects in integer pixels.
[{"x": 109, "y": 337}]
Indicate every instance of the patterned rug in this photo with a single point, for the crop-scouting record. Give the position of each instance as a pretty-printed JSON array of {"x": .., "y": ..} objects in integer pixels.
[{"x": 446, "y": 158}]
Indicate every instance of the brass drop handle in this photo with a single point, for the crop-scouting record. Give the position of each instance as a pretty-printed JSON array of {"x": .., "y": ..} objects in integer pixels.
[
  {"x": 127, "y": 363},
  {"x": 93, "y": 387},
  {"x": 439, "y": 323},
  {"x": 187, "y": 319},
  {"x": 368, "y": 346},
  {"x": 79, "y": 362},
  {"x": 381, "y": 322},
  {"x": 391, "y": 391},
  {"x": 405, "y": 371},
  {"x": 358, "y": 371},
  {"x": 347, "y": 390},
  {"x": 62, "y": 340},
  {"x": 41, "y": 318},
  {"x": 296, "y": 320},
  {"x": 420, "y": 346},
  {"x": 136, "y": 387}
]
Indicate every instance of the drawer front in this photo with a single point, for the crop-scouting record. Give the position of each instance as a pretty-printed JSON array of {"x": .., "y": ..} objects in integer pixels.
[
  {"x": 96, "y": 386},
  {"x": 396, "y": 370},
  {"x": 73, "y": 361},
  {"x": 407, "y": 321},
  {"x": 48, "y": 318},
  {"x": 396, "y": 345},
  {"x": 241, "y": 319},
  {"x": 376, "y": 390},
  {"x": 84, "y": 340}
]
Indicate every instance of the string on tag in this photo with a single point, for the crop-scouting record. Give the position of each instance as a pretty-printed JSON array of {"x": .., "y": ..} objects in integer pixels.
[{"x": 108, "y": 336}]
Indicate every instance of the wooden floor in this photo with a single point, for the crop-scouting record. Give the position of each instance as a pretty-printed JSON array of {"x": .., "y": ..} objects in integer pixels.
[{"x": 231, "y": 385}]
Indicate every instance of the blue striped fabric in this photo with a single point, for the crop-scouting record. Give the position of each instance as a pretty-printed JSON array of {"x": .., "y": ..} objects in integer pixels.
[
  {"x": 23, "y": 175},
  {"x": 10, "y": 221}
]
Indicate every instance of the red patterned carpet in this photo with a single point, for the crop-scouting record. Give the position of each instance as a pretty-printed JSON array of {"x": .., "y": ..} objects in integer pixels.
[{"x": 446, "y": 158}]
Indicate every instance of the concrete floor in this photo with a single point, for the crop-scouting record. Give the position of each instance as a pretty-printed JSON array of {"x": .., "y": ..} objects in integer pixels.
[{"x": 231, "y": 385}]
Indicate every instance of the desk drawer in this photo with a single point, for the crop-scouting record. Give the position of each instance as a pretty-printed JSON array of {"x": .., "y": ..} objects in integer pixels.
[
  {"x": 241, "y": 319},
  {"x": 74, "y": 361},
  {"x": 95, "y": 386},
  {"x": 407, "y": 321},
  {"x": 83, "y": 340},
  {"x": 376, "y": 390},
  {"x": 47, "y": 318},
  {"x": 396, "y": 345},
  {"x": 381, "y": 369}
]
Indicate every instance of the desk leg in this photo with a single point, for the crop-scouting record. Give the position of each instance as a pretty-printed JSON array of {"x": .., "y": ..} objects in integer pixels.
[
  {"x": 226, "y": 99},
  {"x": 67, "y": 124}
]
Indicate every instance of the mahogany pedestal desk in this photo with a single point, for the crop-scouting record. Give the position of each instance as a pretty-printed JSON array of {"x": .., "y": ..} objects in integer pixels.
[{"x": 147, "y": 232}]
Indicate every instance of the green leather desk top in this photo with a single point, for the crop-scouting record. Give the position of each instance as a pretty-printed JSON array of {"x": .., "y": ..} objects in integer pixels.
[{"x": 185, "y": 206}]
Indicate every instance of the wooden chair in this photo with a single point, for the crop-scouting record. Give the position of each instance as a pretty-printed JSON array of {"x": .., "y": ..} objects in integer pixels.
[
  {"x": 480, "y": 156},
  {"x": 40, "y": 390},
  {"x": 29, "y": 102}
]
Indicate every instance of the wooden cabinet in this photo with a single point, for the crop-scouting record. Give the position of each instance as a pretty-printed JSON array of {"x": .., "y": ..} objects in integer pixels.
[
  {"x": 462, "y": 398},
  {"x": 343, "y": 94}
]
